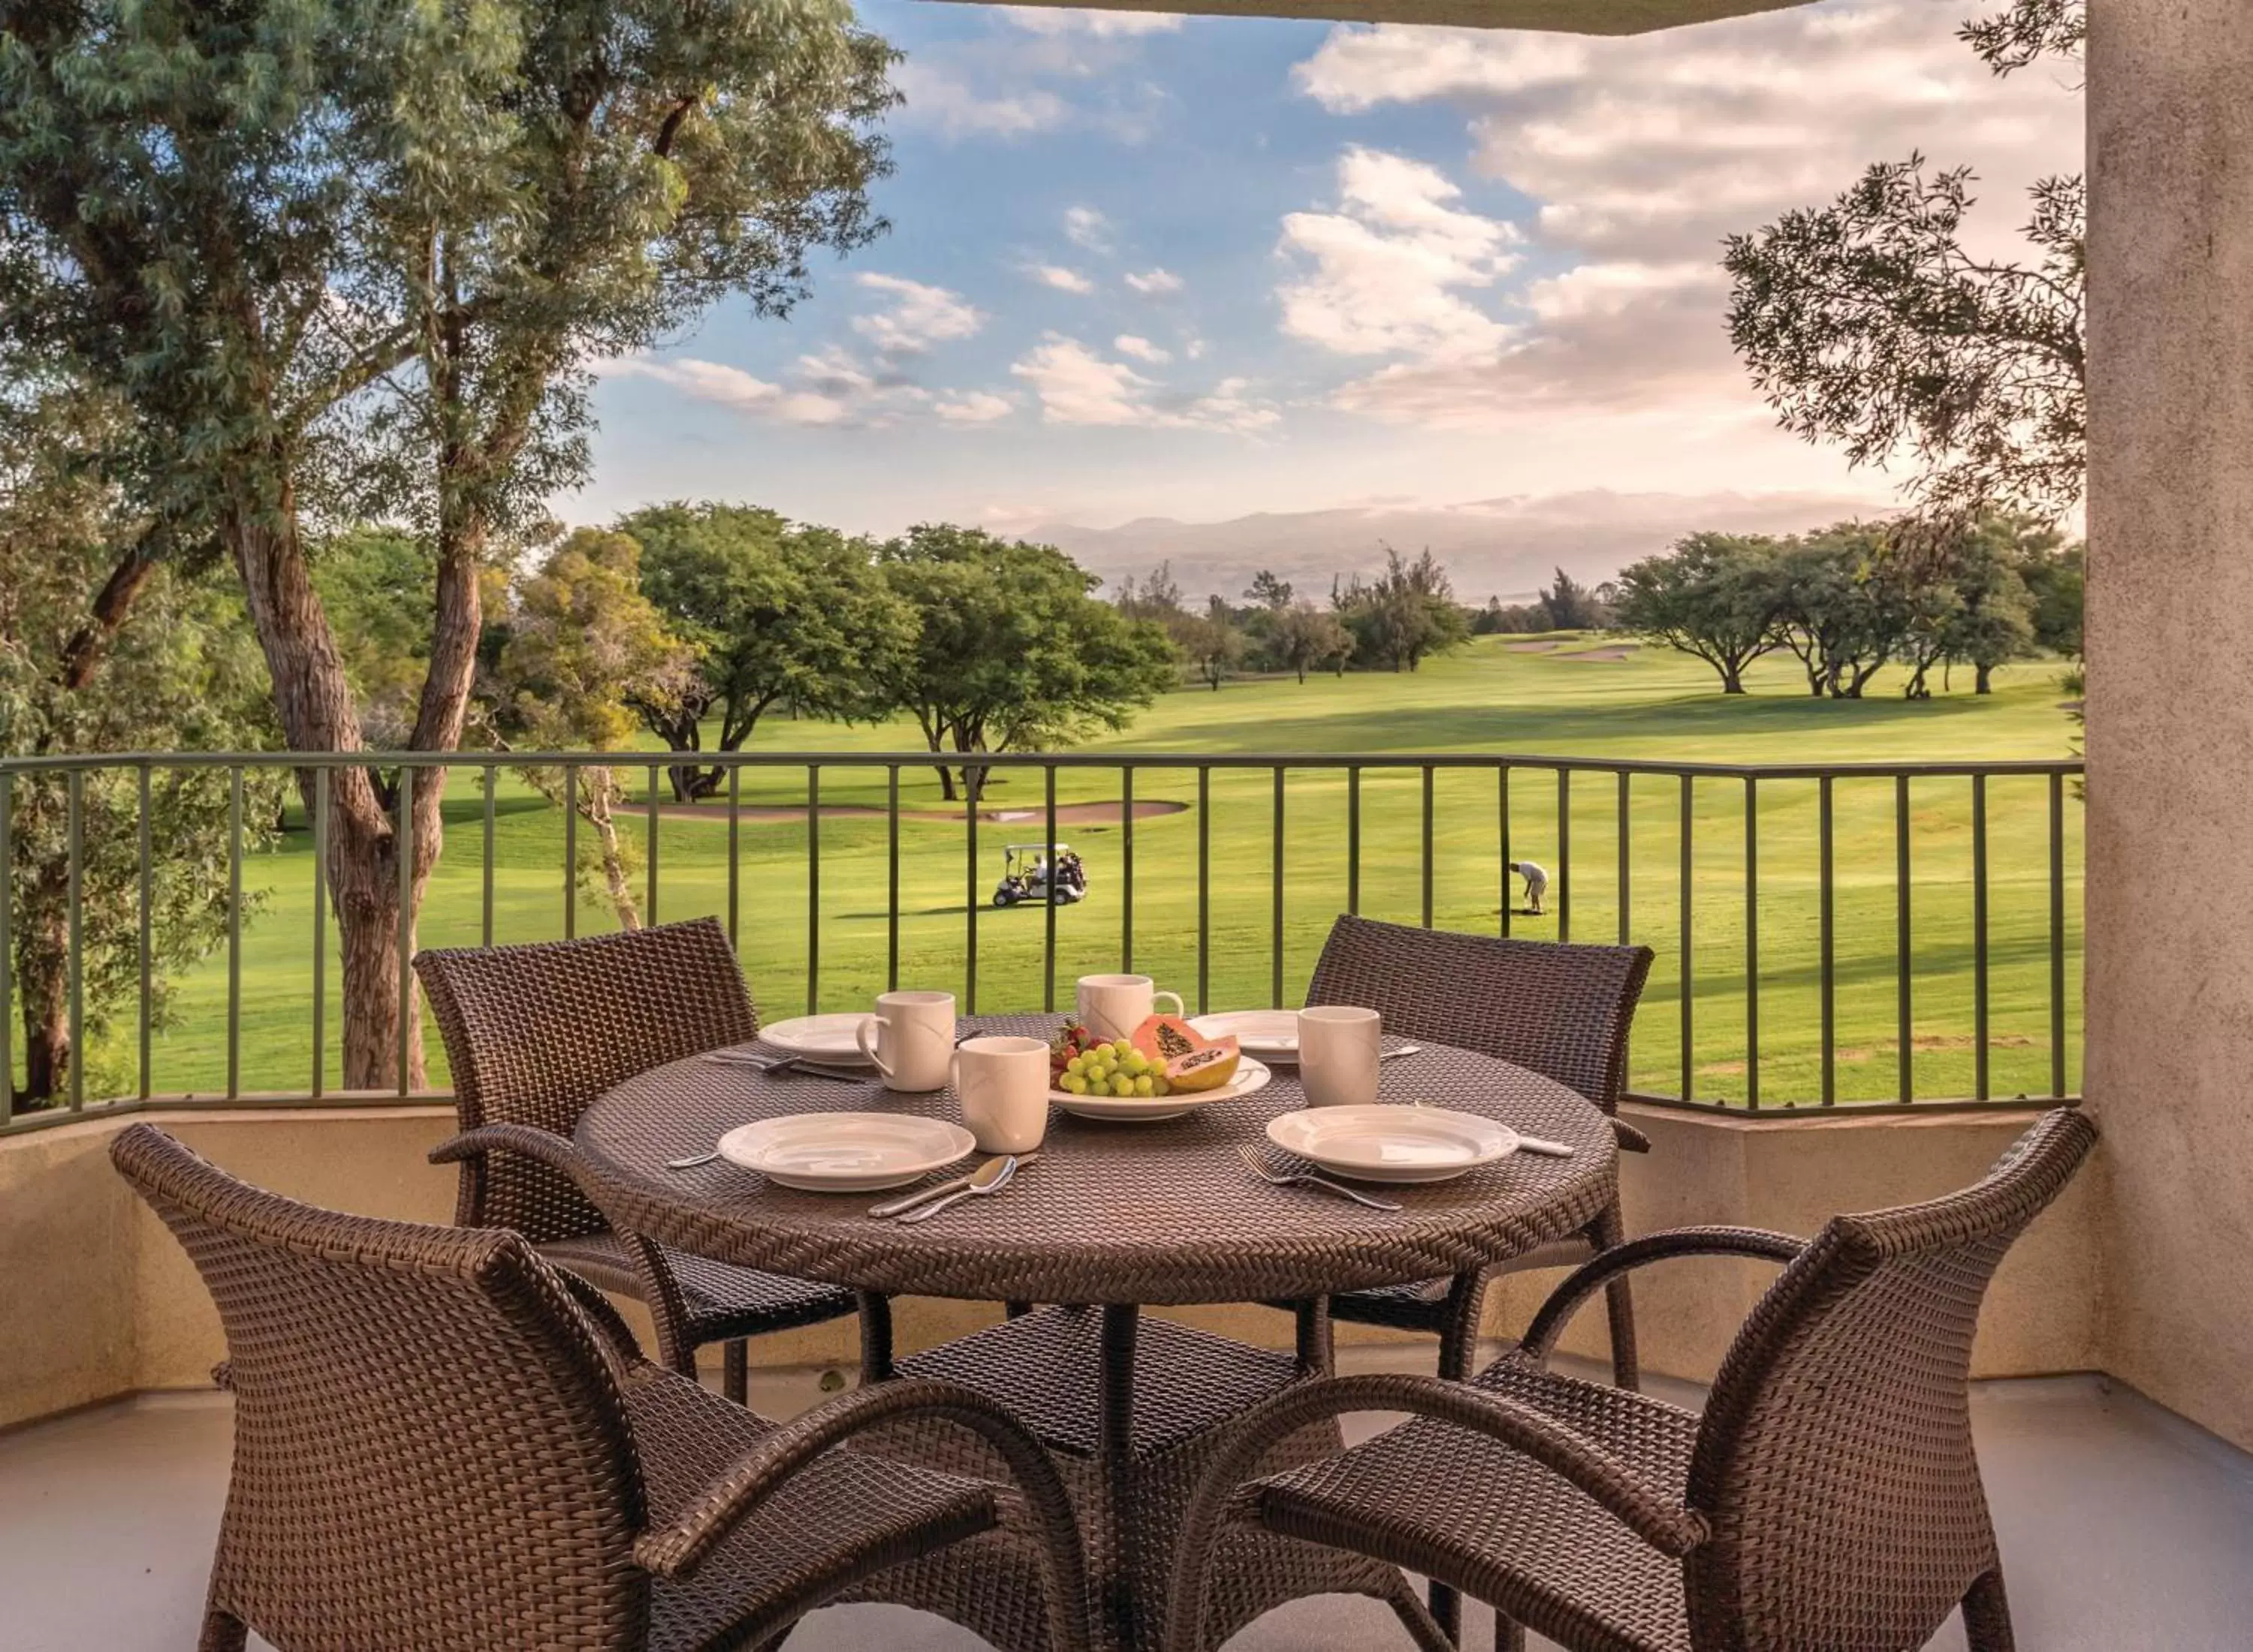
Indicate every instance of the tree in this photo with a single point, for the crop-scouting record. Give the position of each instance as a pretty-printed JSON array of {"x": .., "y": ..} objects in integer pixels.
[
  {"x": 320, "y": 253},
  {"x": 583, "y": 649},
  {"x": 180, "y": 670},
  {"x": 1845, "y": 602},
  {"x": 776, "y": 610},
  {"x": 1011, "y": 653},
  {"x": 1408, "y": 612},
  {"x": 1714, "y": 596},
  {"x": 1569, "y": 605},
  {"x": 1213, "y": 643},
  {"x": 1304, "y": 638},
  {"x": 1269, "y": 591},
  {"x": 2054, "y": 584},
  {"x": 1868, "y": 322}
]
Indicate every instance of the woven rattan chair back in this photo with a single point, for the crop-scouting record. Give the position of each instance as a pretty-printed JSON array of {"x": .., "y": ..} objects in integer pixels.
[
  {"x": 535, "y": 1034},
  {"x": 1835, "y": 1463},
  {"x": 431, "y": 1450},
  {"x": 1562, "y": 1010}
]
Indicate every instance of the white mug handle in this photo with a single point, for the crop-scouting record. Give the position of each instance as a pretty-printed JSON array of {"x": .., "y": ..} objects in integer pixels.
[
  {"x": 861, "y": 1036},
  {"x": 1180, "y": 1008},
  {"x": 954, "y": 1074}
]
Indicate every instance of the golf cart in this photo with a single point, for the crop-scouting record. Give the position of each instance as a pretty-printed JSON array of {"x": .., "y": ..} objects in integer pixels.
[{"x": 1026, "y": 870}]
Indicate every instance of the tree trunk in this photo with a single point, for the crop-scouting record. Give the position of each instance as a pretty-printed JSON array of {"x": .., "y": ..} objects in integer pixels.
[
  {"x": 43, "y": 981},
  {"x": 597, "y": 811},
  {"x": 315, "y": 702},
  {"x": 1984, "y": 682},
  {"x": 1732, "y": 681}
]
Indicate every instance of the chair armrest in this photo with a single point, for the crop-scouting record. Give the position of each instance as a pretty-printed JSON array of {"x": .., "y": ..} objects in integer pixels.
[
  {"x": 1592, "y": 1276},
  {"x": 675, "y": 1550},
  {"x": 1653, "y": 1514},
  {"x": 1629, "y": 1138},
  {"x": 548, "y": 1147}
]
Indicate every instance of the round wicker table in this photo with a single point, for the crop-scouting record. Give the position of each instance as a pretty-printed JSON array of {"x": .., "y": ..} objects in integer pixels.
[{"x": 1115, "y": 1217}]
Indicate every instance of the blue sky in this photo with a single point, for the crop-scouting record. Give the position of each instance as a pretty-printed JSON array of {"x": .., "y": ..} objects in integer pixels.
[{"x": 1146, "y": 265}]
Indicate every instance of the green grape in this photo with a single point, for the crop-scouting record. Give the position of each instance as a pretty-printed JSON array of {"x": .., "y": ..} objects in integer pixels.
[
  {"x": 1077, "y": 1064},
  {"x": 1137, "y": 1063},
  {"x": 1074, "y": 1084},
  {"x": 1122, "y": 1049},
  {"x": 1122, "y": 1086},
  {"x": 1145, "y": 1086},
  {"x": 1160, "y": 1085}
]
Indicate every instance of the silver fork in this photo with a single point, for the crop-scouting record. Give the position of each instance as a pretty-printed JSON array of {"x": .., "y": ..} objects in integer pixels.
[{"x": 1259, "y": 1168}]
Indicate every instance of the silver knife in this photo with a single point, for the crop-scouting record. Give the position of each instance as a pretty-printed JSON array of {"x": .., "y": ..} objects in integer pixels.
[{"x": 923, "y": 1196}]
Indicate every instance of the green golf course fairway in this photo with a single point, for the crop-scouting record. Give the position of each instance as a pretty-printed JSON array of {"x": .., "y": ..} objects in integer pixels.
[{"x": 1486, "y": 698}]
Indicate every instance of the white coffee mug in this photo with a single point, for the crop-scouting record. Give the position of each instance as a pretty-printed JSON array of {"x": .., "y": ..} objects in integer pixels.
[
  {"x": 1112, "y": 1006},
  {"x": 1338, "y": 1050},
  {"x": 910, "y": 1039},
  {"x": 1003, "y": 1085}
]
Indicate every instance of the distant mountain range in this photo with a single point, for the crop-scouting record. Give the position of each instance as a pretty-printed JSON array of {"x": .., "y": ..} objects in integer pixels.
[{"x": 1505, "y": 548}]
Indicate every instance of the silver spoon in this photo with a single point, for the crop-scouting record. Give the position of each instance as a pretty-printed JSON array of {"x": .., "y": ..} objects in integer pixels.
[{"x": 990, "y": 1177}]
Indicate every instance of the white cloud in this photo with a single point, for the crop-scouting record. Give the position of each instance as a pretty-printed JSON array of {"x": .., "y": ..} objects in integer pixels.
[
  {"x": 1127, "y": 344},
  {"x": 937, "y": 94},
  {"x": 1076, "y": 385},
  {"x": 918, "y": 318},
  {"x": 1390, "y": 266},
  {"x": 1155, "y": 284},
  {"x": 830, "y": 387},
  {"x": 973, "y": 407},
  {"x": 727, "y": 387},
  {"x": 1062, "y": 280},
  {"x": 1102, "y": 24},
  {"x": 1641, "y": 152},
  {"x": 1084, "y": 227}
]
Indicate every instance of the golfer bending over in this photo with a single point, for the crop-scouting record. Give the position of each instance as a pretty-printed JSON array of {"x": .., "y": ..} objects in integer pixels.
[{"x": 1537, "y": 883}]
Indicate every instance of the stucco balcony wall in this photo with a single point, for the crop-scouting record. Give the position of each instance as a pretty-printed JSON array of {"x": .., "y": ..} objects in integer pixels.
[{"x": 102, "y": 1303}]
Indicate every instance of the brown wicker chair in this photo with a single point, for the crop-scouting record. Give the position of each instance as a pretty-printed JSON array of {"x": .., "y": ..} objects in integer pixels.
[
  {"x": 444, "y": 1445},
  {"x": 1563, "y": 1011},
  {"x": 1828, "y": 1498},
  {"x": 535, "y": 1034}
]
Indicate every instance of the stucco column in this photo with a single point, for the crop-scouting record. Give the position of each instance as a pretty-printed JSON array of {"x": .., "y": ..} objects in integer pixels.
[{"x": 2170, "y": 637}]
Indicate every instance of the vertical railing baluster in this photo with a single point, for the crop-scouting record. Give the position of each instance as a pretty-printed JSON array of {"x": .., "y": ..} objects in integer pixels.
[
  {"x": 1827, "y": 897},
  {"x": 74, "y": 894},
  {"x": 1049, "y": 913},
  {"x": 650, "y": 806},
  {"x": 570, "y": 850},
  {"x": 970, "y": 899},
  {"x": 1626, "y": 855},
  {"x": 892, "y": 879},
  {"x": 320, "y": 932},
  {"x": 1979, "y": 1077},
  {"x": 1428, "y": 778},
  {"x": 7, "y": 945},
  {"x": 1353, "y": 840},
  {"x": 1502, "y": 792},
  {"x": 1752, "y": 943},
  {"x": 1689, "y": 976},
  {"x": 1275, "y": 942},
  {"x": 233, "y": 930},
  {"x": 406, "y": 841},
  {"x": 2057, "y": 1077},
  {"x": 1564, "y": 854},
  {"x": 1204, "y": 887},
  {"x": 486, "y": 864},
  {"x": 1126, "y": 867},
  {"x": 812, "y": 889},
  {"x": 1901, "y": 938},
  {"x": 736, "y": 857},
  {"x": 144, "y": 901}
]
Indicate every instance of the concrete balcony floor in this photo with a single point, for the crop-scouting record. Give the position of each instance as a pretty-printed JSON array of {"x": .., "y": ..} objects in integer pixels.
[{"x": 2122, "y": 1528}]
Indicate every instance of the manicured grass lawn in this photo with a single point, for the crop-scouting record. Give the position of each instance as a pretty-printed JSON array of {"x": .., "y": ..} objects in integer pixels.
[{"x": 1486, "y": 698}]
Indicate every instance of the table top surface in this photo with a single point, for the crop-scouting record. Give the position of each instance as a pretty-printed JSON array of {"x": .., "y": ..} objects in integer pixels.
[{"x": 1162, "y": 1213}]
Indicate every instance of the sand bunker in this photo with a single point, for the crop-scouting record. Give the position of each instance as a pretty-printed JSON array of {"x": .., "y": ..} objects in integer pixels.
[
  {"x": 1600, "y": 656},
  {"x": 1067, "y": 813},
  {"x": 1529, "y": 648}
]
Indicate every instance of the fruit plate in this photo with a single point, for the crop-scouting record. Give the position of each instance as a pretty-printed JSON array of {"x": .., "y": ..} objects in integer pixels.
[
  {"x": 846, "y": 1151},
  {"x": 1381, "y": 1143},
  {"x": 1148, "y": 1109},
  {"x": 832, "y": 1038},
  {"x": 1272, "y": 1034}
]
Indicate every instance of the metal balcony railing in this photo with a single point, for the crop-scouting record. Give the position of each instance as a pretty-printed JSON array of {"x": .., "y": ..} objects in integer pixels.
[{"x": 1873, "y": 934}]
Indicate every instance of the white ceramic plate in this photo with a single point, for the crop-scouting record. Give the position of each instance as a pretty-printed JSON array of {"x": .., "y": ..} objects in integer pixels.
[
  {"x": 823, "y": 1038},
  {"x": 846, "y": 1151},
  {"x": 1272, "y": 1034},
  {"x": 1392, "y": 1143},
  {"x": 1250, "y": 1075}
]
